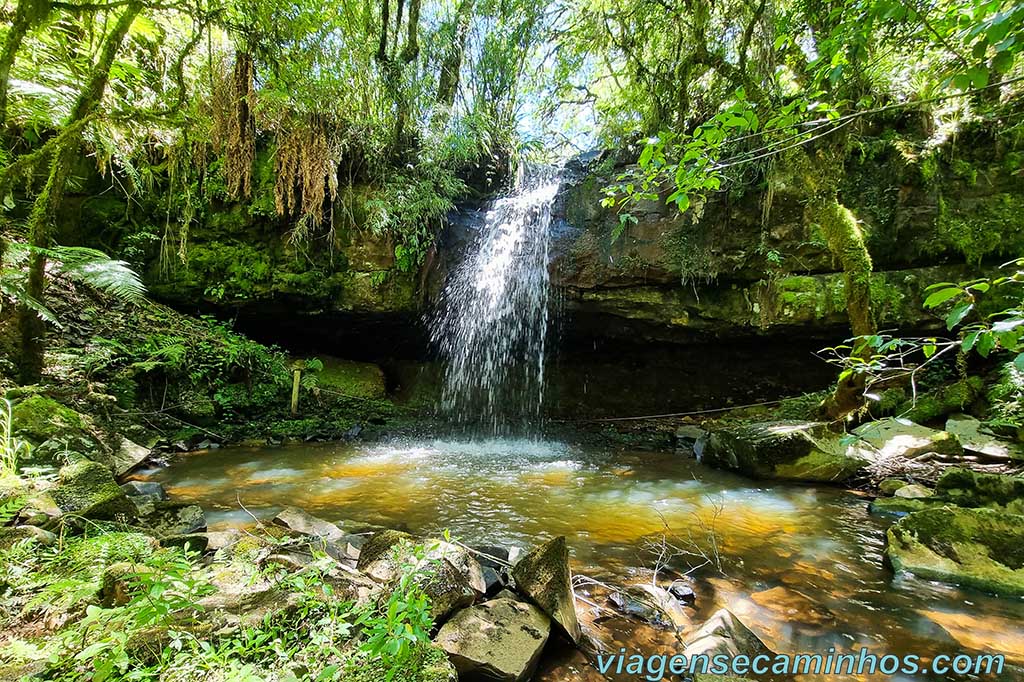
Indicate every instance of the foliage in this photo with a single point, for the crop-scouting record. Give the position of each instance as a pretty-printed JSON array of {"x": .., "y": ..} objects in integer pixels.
[
  {"x": 12, "y": 450},
  {"x": 984, "y": 333}
]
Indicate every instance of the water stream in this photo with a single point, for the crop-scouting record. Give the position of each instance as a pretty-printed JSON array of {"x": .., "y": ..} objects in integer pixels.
[
  {"x": 492, "y": 321},
  {"x": 802, "y": 566}
]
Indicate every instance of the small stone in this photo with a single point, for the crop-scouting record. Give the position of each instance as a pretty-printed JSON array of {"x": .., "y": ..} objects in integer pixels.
[
  {"x": 890, "y": 485},
  {"x": 147, "y": 488},
  {"x": 914, "y": 491}
]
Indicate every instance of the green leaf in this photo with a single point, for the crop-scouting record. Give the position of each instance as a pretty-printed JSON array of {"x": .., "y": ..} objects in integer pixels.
[
  {"x": 958, "y": 313},
  {"x": 941, "y": 296},
  {"x": 986, "y": 342},
  {"x": 1018, "y": 362},
  {"x": 970, "y": 340}
]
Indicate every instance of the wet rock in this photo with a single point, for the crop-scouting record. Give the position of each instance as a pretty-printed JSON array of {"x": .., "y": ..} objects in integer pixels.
[
  {"x": 652, "y": 605},
  {"x": 499, "y": 640},
  {"x": 967, "y": 488},
  {"x": 87, "y": 489},
  {"x": 687, "y": 436},
  {"x": 299, "y": 521},
  {"x": 724, "y": 635},
  {"x": 890, "y": 485},
  {"x": 791, "y": 450},
  {"x": 683, "y": 593},
  {"x": 913, "y": 491},
  {"x": 793, "y": 605},
  {"x": 980, "y": 548},
  {"x": 887, "y": 438},
  {"x": 544, "y": 577},
  {"x": 144, "y": 488}
]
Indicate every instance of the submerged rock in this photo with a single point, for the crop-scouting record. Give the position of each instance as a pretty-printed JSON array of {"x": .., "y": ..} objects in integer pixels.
[
  {"x": 87, "y": 489},
  {"x": 544, "y": 577},
  {"x": 981, "y": 548},
  {"x": 724, "y": 635},
  {"x": 499, "y": 640},
  {"x": 887, "y": 438},
  {"x": 792, "y": 450}
]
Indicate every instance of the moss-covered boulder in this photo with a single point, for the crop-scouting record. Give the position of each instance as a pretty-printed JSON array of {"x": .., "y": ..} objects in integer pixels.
[
  {"x": 890, "y": 485},
  {"x": 789, "y": 450},
  {"x": 943, "y": 401},
  {"x": 901, "y": 506},
  {"x": 381, "y": 556},
  {"x": 351, "y": 379},
  {"x": 966, "y": 488},
  {"x": 38, "y": 418},
  {"x": 88, "y": 489},
  {"x": 980, "y": 548}
]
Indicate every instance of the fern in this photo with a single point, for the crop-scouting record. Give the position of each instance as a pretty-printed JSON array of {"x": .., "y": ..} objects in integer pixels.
[
  {"x": 10, "y": 509},
  {"x": 11, "y": 449}
]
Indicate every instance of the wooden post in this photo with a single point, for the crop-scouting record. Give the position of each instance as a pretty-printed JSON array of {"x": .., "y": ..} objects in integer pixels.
[{"x": 296, "y": 377}]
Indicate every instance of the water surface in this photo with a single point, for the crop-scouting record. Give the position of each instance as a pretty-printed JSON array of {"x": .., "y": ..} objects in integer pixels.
[{"x": 802, "y": 566}]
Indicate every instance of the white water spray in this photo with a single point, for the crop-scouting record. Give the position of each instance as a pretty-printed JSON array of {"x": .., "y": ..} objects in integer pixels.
[{"x": 492, "y": 323}]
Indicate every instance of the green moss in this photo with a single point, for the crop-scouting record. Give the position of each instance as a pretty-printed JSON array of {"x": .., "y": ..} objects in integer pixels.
[
  {"x": 980, "y": 548},
  {"x": 87, "y": 489},
  {"x": 980, "y": 229},
  {"x": 351, "y": 379},
  {"x": 967, "y": 488},
  {"x": 1006, "y": 396},
  {"x": 899, "y": 506},
  {"x": 942, "y": 401},
  {"x": 38, "y": 418}
]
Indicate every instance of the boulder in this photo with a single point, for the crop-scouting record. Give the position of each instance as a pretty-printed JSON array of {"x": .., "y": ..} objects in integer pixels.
[
  {"x": 978, "y": 441},
  {"x": 446, "y": 587},
  {"x": 87, "y": 489},
  {"x": 173, "y": 519},
  {"x": 651, "y": 604},
  {"x": 792, "y": 450},
  {"x": 144, "y": 488},
  {"x": 914, "y": 491},
  {"x": 900, "y": 506},
  {"x": 966, "y": 488},
  {"x": 724, "y": 635},
  {"x": 498, "y": 640},
  {"x": 980, "y": 548},
  {"x": 126, "y": 456},
  {"x": 301, "y": 522},
  {"x": 461, "y": 559},
  {"x": 887, "y": 438},
  {"x": 380, "y": 556},
  {"x": 544, "y": 577}
]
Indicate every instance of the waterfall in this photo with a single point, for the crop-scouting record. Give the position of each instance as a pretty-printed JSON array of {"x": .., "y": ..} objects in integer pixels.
[{"x": 492, "y": 322}]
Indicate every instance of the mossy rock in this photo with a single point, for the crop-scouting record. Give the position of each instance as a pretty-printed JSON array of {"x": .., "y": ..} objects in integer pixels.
[
  {"x": 943, "y": 401},
  {"x": 890, "y": 485},
  {"x": 38, "y": 418},
  {"x": 351, "y": 379},
  {"x": 966, "y": 488},
  {"x": 88, "y": 489},
  {"x": 900, "y": 506},
  {"x": 788, "y": 450},
  {"x": 979, "y": 548}
]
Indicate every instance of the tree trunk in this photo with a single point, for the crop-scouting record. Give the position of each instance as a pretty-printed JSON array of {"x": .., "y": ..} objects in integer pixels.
[
  {"x": 382, "y": 49},
  {"x": 28, "y": 14},
  {"x": 448, "y": 81},
  {"x": 412, "y": 48},
  {"x": 47, "y": 203}
]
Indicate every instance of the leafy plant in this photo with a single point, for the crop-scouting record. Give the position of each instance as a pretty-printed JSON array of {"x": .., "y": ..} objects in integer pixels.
[{"x": 12, "y": 449}]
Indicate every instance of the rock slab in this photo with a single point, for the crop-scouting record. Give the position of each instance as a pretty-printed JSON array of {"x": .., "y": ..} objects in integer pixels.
[{"x": 499, "y": 640}]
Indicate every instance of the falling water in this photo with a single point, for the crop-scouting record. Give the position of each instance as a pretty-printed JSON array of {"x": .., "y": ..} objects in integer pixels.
[{"x": 492, "y": 322}]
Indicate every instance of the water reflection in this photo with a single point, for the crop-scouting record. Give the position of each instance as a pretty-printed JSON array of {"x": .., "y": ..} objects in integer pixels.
[{"x": 802, "y": 566}]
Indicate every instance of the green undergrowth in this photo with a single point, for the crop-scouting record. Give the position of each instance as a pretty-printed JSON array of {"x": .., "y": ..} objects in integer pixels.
[{"x": 111, "y": 605}]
